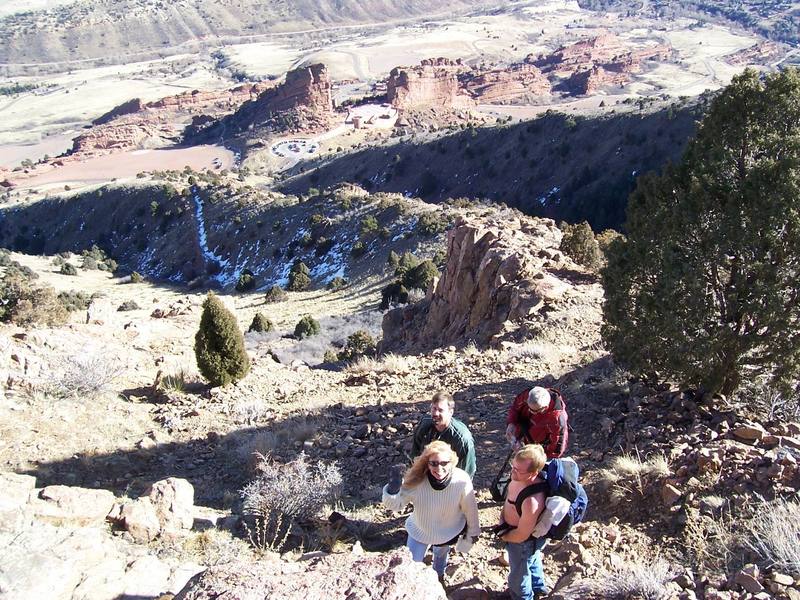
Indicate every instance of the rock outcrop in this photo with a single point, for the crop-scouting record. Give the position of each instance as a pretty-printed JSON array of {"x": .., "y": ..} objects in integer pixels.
[
  {"x": 303, "y": 102},
  {"x": 135, "y": 124},
  {"x": 308, "y": 87},
  {"x": 432, "y": 83},
  {"x": 761, "y": 53},
  {"x": 58, "y": 546},
  {"x": 518, "y": 82},
  {"x": 384, "y": 576},
  {"x": 601, "y": 61},
  {"x": 496, "y": 273}
]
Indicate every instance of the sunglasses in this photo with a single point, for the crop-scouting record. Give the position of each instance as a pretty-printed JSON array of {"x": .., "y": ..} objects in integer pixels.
[{"x": 438, "y": 463}]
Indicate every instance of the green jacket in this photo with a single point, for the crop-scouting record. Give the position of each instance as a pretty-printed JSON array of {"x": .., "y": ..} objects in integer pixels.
[{"x": 456, "y": 434}]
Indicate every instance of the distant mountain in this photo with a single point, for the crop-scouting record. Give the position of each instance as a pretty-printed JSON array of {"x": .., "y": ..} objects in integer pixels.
[{"x": 116, "y": 32}]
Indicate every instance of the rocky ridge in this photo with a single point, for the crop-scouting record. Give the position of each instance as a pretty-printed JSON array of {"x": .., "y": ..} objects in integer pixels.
[
  {"x": 520, "y": 82},
  {"x": 499, "y": 272},
  {"x": 578, "y": 69},
  {"x": 602, "y": 61},
  {"x": 303, "y": 102},
  {"x": 135, "y": 124}
]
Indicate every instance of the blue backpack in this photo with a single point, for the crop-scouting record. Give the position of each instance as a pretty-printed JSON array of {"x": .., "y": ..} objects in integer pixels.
[{"x": 560, "y": 479}]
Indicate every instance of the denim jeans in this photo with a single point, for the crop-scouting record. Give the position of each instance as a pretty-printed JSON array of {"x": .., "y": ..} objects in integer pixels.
[
  {"x": 418, "y": 550},
  {"x": 526, "y": 576}
]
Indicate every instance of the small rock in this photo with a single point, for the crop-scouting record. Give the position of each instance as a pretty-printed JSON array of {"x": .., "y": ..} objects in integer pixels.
[
  {"x": 670, "y": 494},
  {"x": 747, "y": 579},
  {"x": 749, "y": 432},
  {"x": 782, "y": 579}
]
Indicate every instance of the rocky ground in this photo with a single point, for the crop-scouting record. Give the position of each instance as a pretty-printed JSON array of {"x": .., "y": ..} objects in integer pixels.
[{"x": 130, "y": 477}]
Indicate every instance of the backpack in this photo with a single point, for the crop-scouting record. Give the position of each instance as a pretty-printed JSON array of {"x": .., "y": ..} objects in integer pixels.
[{"x": 560, "y": 479}]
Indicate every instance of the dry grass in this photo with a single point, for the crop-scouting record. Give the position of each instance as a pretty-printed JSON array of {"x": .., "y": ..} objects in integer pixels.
[
  {"x": 774, "y": 535},
  {"x": 471, "y": 349},
  {"x": 630, "y": 477},
  {"x": 388, "y": 363},
  {"x": 633, "y": 579},
  {"x": 713, "y": 543},
  {"x": 175, "y": 382},
  {"x": 213, "y": 547}
]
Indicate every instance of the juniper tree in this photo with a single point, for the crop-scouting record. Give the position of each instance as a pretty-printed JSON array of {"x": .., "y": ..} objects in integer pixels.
[
  {"x": 299, "y": 277},
  {"x": 219, "y": 345},
  {"x": 705, "y": 289}
]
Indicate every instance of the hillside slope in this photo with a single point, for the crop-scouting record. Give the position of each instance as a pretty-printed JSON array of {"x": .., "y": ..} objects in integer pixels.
[
  {"x": 213, "y": 233},
  {"x": 557, "y": 166},
  {"x": 115, "y": 32}
]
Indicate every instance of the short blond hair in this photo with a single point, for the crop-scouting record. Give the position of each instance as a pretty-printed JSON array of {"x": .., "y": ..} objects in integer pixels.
[{"x": 534, "y": 454}]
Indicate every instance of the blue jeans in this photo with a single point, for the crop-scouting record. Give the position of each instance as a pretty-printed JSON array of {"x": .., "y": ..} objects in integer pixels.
[
  {"x": 526, "y": 576},
  {"x": 418, "y": 550}
]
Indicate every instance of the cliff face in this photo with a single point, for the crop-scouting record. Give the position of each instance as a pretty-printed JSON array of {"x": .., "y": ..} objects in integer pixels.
[
  {"x": 499, "y": 273},
  {"x": 518, "y": 82},
  {"x": 135, "y": 124},
  {"x": 432, "y": 83},
  {"x": 302, "y": 102},
  {"x": 602, "y": 61}
]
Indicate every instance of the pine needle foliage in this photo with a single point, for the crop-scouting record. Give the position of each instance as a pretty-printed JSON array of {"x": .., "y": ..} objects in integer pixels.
[
  {"x": 705, "y": 289},
  {"x": 219, "y": 345}
]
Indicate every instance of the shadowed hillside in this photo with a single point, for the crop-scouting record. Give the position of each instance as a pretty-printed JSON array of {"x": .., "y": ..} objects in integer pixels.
[
  {"x": 557, "y": 166},
  {"x": 216, "y": 232}
]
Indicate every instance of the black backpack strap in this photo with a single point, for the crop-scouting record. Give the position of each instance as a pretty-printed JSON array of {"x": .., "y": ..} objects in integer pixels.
[
  {"x": 527, "y": 492},
  {"x": 555, "y": 395}
]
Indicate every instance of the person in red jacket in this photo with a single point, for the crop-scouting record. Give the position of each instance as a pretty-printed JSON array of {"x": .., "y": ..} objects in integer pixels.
[{"x": 539, "y": 416}]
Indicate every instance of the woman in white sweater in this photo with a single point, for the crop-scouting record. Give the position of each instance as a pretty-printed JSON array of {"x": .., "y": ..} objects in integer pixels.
[{"x": 444, "y": 502}]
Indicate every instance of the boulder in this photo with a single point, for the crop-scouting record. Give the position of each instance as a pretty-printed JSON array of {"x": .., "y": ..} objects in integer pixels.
[
  {"x": 384, "y": 576},
  {"x": 173, "y": 501},
  {"x": 60, "y": 504},
  {"x": 139, "y": 518},
  {"x": 14, "y": 493}
]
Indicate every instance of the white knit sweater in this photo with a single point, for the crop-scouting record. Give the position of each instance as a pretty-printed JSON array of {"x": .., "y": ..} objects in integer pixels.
[{"x": 439, "y": 515}]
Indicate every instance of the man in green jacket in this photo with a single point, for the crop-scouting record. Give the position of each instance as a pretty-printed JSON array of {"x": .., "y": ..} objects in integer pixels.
[{"x": 442, "y": 425}]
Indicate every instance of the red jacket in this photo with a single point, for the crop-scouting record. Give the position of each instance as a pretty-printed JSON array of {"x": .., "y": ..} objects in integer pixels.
[{"x": 548, "y": 428}]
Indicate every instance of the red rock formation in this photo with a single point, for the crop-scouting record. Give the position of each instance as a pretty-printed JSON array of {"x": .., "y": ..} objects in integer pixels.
[
  {"x": 589, "y": 81},
  {"x": 118, "y": 136},
  {"x": 520, "y": 81},
  {"x": 134, "y": 125},
  {"x": 126, "y": 108},
  {"x": 596, "y": 63},
  {"x": 762, "y": 53},
  {"x": 308, "y": 87},
  {"x": 302, "y": 102},
  {"x": 578, "y": 56},
  {"x": 433, "y": 83}
]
